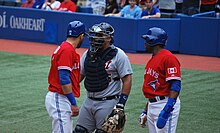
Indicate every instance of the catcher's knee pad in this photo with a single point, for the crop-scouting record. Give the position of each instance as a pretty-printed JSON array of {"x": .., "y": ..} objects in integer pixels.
[
  {"x": 100, "y": 131},
  {"x": 80, "y": 129}
]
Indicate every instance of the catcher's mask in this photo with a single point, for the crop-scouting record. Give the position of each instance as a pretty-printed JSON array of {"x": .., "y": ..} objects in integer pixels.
[{"x": 98, "y": 33}]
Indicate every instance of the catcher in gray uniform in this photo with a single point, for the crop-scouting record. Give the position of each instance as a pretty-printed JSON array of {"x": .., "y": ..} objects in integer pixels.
[{"x": 108, "y": 78}]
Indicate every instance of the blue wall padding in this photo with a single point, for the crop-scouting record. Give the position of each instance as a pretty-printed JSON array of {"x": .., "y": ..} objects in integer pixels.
[{"x": 199, "y": 36}]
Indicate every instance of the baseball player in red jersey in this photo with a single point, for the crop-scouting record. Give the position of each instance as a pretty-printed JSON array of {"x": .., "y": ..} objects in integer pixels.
[
  {"x": 63, "y": 80},
  {"x": 162, "y": 85}
]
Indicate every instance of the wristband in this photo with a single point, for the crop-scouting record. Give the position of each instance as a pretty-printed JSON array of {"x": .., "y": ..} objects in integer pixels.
[
  {"x": 123, "y": 99},
  {"x": 71, "y": 98}
]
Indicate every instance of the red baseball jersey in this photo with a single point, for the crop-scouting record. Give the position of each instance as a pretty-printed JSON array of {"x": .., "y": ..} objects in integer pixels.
[
  {"x": 159, "y": 70},
  {"x": 207, "y": 2},
  {"x": 64, "y": 57},
  {"x": 67, "y": 6}
]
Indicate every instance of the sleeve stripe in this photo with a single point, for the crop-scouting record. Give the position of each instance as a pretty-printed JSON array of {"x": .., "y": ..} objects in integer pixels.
[
  {"x": 64, "y": 67},
  {"x": 171, "y": 78}
]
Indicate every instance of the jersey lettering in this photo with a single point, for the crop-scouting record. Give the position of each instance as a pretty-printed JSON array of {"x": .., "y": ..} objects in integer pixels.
[
  {"x": 75, "y": 66},
  {"x": 107, "y": 64},
  {"x": 152, "y": 72}
]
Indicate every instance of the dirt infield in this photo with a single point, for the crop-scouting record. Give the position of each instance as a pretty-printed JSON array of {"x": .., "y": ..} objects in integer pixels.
[{"x": 187, "y": 61}]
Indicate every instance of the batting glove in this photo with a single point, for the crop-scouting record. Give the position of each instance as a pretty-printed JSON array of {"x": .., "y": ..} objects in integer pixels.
[
  {"x": 142, "y": 118},
  {"x": 165, "y": 113}
]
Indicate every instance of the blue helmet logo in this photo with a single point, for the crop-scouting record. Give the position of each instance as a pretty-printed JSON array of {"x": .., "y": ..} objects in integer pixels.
[{"x": 75, "y": 28}]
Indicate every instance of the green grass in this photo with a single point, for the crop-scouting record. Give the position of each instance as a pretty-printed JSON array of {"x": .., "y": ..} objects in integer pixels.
[{"x": 23, "y": 86}]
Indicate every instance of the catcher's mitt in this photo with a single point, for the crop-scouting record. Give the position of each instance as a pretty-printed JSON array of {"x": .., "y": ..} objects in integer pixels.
[{"x": 115, "y": 122}]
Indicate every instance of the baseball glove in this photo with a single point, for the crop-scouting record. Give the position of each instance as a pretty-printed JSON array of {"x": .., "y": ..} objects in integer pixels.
[{"x": 115, "y": 122}]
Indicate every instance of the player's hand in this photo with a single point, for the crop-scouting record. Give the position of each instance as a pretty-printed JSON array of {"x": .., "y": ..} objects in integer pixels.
[
  {"x": 143, "y": 119},
  {"x": 145, "y": 17},
  {"x": 75, "y": 110}
]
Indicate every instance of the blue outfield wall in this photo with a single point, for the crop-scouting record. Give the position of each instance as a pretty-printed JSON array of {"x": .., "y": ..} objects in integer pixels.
[
  {"x": 189, "y": 35},
  {"x": 200, "y": 36},
  {"x": 218, "y": 48}
]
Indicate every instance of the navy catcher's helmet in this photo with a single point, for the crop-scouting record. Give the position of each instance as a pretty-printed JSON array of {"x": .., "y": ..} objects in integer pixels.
[
  {"x": 97, "y": 35},
  {"x": 75, "y": 28},
  {"x": 155, "y": 36}
]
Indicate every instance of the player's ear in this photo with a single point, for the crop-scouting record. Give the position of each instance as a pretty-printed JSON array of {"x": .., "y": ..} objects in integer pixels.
[{"x": 81, "y": 36}]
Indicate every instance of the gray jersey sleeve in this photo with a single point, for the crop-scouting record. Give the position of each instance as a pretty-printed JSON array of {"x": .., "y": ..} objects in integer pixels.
[
  {"x": 123, "y": 64},
  {"x": 82, "y": 61}
]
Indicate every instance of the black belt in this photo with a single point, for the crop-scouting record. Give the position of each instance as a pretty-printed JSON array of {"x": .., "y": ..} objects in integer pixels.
[
  {"x": 105, "y": 98},
  {"x": 152, "y": 100},
  {"x": 116, "y": 79}
]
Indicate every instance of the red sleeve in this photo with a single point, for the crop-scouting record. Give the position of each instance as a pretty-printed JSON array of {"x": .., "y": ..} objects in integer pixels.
[
  {"x": 65, "y": 60},
  {"x": 172, "y": 67},
  {"x": 72, "y": 7}
]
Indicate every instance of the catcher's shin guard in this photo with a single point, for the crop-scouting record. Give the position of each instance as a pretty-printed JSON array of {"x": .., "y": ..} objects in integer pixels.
[
  {"x": 80, "y": 129},
  {"x": 100, "y": 131}
]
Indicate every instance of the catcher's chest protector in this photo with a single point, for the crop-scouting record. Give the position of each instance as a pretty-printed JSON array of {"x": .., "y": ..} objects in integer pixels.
[{"x": 97, "y": 78}]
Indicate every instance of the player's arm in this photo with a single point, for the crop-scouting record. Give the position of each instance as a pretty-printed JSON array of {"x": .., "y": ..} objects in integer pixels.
[
  {"x": 157, "y": 15},
  {"x": 126, "y": 88},
  {"x": 81, "y": 77},
  {"x": 175, "y": 87},
  {"x": 155, "y": 2},
  {"x": 64, "y": 76},
  {"x": 115, "y": 15}
]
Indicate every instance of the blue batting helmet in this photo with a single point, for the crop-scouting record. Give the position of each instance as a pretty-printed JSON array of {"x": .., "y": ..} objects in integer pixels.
[
  {"x": 155, "y": 36},
  {"x": 75, "y": 28}
]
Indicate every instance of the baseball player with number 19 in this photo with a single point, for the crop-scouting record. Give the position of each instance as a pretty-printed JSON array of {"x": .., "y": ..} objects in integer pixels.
[
  {"x": 162, "y": 85},
  {"x": 63, "y": 80}
]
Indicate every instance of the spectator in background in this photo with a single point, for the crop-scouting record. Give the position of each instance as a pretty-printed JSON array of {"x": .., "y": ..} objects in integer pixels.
[
  {"x": 208, "y": 5},
  {"x": 190, "y": 7},
  {"x": 179, "y": 6},
  {"x": 51, "y": 5},
  {"x": 129, "y": 11},
  {"x": 150, "y": 11},
  {"x": 67, "y": 6},
  {"x": 28, "y": 4},
  {"x": 98, "y": 6},
  {"x": 112, "y": 7},
  {"x": 38, "y": 4},
  {"x": 167, "y": 6},
  {"x": 123, "y": 3},
  {"x": 143, "y": 5}
]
